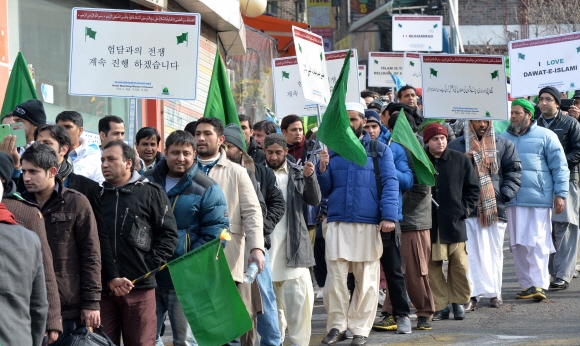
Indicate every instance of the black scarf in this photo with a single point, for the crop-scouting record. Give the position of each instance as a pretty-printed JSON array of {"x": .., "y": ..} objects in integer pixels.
[{"x": 65, "y": 168}]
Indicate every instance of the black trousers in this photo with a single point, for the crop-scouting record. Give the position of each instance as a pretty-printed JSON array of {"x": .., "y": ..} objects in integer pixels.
[
  {"x": 320, "y": 267},
  {"x": 392, "y": 262}
]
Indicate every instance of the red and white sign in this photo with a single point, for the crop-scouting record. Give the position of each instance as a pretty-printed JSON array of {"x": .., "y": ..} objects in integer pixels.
[
  {"x": 312, "y": 66},
  {"x": 417, "y": 33},
  {"x": 379, "y": 66},
  {"x": 412, "y": 69}
]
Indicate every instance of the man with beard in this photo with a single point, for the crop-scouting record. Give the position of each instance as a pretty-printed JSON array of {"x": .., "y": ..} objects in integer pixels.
[
  {"x": 291, "y": 251},
  {"x": 545, "y": 174},
  {"x": 267, "y": 322},
  {"x": 565, "y": 234},
  {"x": 499, "y": 171},
  {"x": 358, "y": 210}
]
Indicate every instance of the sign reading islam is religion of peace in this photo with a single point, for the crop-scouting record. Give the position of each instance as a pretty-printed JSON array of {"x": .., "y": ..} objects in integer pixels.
[
  {"x": 547, "y": 61},
  {"x": 417, "y": 33},
  {"x": 412, "y": 69},
  {"x": 464, "y": 87},
  {"x": 379, "y": 66},
  {"x": 312, "y": 66},
  {"x": 136, "y": 54},
  {"x": 288, "y": 96}
]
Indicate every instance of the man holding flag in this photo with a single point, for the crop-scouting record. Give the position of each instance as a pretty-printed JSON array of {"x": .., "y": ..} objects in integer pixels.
[{"x": 358, "y": 209}]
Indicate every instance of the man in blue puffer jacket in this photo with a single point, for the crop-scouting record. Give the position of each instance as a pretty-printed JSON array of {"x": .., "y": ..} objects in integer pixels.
[
  {"x": 545, "y": 177},
  {"x": 356, "y": 216},
  {"x": 200, "y": 209},
  {"x": 391, "y": 260}
]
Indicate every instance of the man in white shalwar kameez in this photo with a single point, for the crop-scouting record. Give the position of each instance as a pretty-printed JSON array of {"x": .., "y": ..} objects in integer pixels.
[
  {"x": 499, "y": 172},
  {"x": 291, "y": 253},
  {"x": 545, "y": 174}
]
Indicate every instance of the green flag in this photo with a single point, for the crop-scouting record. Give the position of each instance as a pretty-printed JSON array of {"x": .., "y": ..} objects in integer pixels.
[
  {"x": 220, "y": 101},
  {"x": 182, "y": 38},
  {"x": 403, "y": 134},
  {"x": 334, "y": 130},
  {"x": 429, "y": 121},
  {"x": 521, "y": 56},
  {"x": 90, "y": 33},
  {"x": 495, "y": 74},
  {"x": 433, "y": 72},
  {"x": 208, "y": 295},
  {"x": 20, "y": 87}
]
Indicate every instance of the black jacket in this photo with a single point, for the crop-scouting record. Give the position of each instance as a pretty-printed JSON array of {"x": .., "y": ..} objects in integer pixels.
[
  {"x": 507, "y": 181},
  {"x": 416, "y": 203},
  {"x": 255, "y": 151},
  {"x": 568, "y": 131},
  {"x": 274, "y": 199},
  {"x": 456, "y": 191},
  {"x": 142, "y": 229}
]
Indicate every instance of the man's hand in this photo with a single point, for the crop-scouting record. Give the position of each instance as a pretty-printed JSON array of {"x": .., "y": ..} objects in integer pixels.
[
  {"x": 386, "y": 226},
  {"x": 559, "y": 204},
  {"x": 120, "y": 286},
  {"x": 92, "y": 318},
  {"x": 257, "y": 256},
  {"x": 324, "y": 159},
  {"x": 51, "y": 335},
  {"x": 308, "y": 169},
  {"x": 7, "y": 146},
  {"x": 137, "y": 160},
  {"x": 574, "y": 112}
]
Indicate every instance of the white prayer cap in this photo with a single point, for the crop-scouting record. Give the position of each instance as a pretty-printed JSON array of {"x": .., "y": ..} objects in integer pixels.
[{"x": 355, "y": 106}]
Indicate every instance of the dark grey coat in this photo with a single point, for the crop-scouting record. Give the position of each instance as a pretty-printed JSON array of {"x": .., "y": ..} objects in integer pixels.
[
  {"x": 507, "y": 181},
  {"x": 456, "y": 191},
  {"x": 301, "y": 191},
  {"x": 416, "y": 204}
]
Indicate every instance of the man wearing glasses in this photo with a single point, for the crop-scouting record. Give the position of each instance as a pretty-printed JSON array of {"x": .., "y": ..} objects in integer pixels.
[{"x": 565, "y": 225}]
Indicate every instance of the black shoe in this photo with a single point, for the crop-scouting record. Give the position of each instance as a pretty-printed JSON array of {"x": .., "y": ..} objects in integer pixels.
[
  {"x": 358, "y": 340},
  {"x": 423, "y": 323},
  {"x": 558, "y": 285},
  {"x": 535, "y": 293},
  {"x": 334, "y": 336},
  {"x": 441, "y": 315},
  {"x": 458, "y": 311}
]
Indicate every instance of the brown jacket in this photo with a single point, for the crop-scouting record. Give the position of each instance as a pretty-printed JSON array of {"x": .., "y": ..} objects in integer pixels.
[
  {"x": 74, "y": 241},
  {"x": 28, "y": 215},
  {"x": 246, "y": 221}
]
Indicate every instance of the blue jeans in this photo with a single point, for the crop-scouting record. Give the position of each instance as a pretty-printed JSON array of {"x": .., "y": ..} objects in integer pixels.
[
  {"x": 167, "y": 301},
  {"x": 268, "y": 321}
]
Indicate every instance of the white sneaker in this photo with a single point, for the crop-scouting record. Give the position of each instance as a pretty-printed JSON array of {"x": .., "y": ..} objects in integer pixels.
[
  {"x": 382, "y": 297},
  {"x": 320, "y": 294}
]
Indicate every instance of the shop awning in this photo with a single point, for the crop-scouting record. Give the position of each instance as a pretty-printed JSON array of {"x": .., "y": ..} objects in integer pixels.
[{"x": 280, "y": 29}]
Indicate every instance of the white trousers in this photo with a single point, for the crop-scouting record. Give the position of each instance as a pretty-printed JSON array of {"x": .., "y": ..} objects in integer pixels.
[
  {"x": 295, "y": 299},
  {"x": 358, "y": 315},
  {"x": 485, "y": 257}
]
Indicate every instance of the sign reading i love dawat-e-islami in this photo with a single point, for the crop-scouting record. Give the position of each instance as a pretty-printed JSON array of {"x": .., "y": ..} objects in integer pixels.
[
  {"x": 288, "y": 96},
  {"x": 464, "y": 87},
  {"x": 546, "y": 61},
  {"x": 312, "y": 66},
  {"x": 379, "y": 66},
  {"x": 134, "y": 54},
  {"x": 417, "y": 33},
  {"x": 412, "y": 69}
]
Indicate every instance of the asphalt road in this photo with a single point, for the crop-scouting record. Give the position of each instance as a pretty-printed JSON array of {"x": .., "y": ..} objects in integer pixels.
[{"x": 554, "y": 321}]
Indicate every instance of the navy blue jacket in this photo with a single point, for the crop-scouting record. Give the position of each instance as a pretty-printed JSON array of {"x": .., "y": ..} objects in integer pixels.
[
  {"x": 200, "y": 209},
  {"x": 352, "y": 189}
]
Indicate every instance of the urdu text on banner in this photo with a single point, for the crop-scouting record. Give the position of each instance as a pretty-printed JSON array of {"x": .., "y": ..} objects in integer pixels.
[
  {"x": 464, "y": 87},
  {"x": 136, "y": 54},
  {"x": 312, "y": 66},
  {"x": 546, "y": 61},
  {"x": 288, "y": 96}
]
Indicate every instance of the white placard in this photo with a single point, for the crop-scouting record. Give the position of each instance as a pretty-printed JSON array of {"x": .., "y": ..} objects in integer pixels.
[
  {"x": 289, "y": 99},
  {"x": 47, "y": 93},
  {"x": 547, "y": 61},
  {"x": 464, "y": 87},
  {"x": 313, "y": 72},
  {"x": 417, "y": 33},
  {"x": 379, "y": 65},
  {"x": 412, "y": 69},
  {"x": 362, "y": 76},
  {"x": 138, "y": 54}
]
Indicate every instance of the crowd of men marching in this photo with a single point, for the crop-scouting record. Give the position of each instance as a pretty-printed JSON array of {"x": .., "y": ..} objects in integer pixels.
[{"x": 91, "y": 219}]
